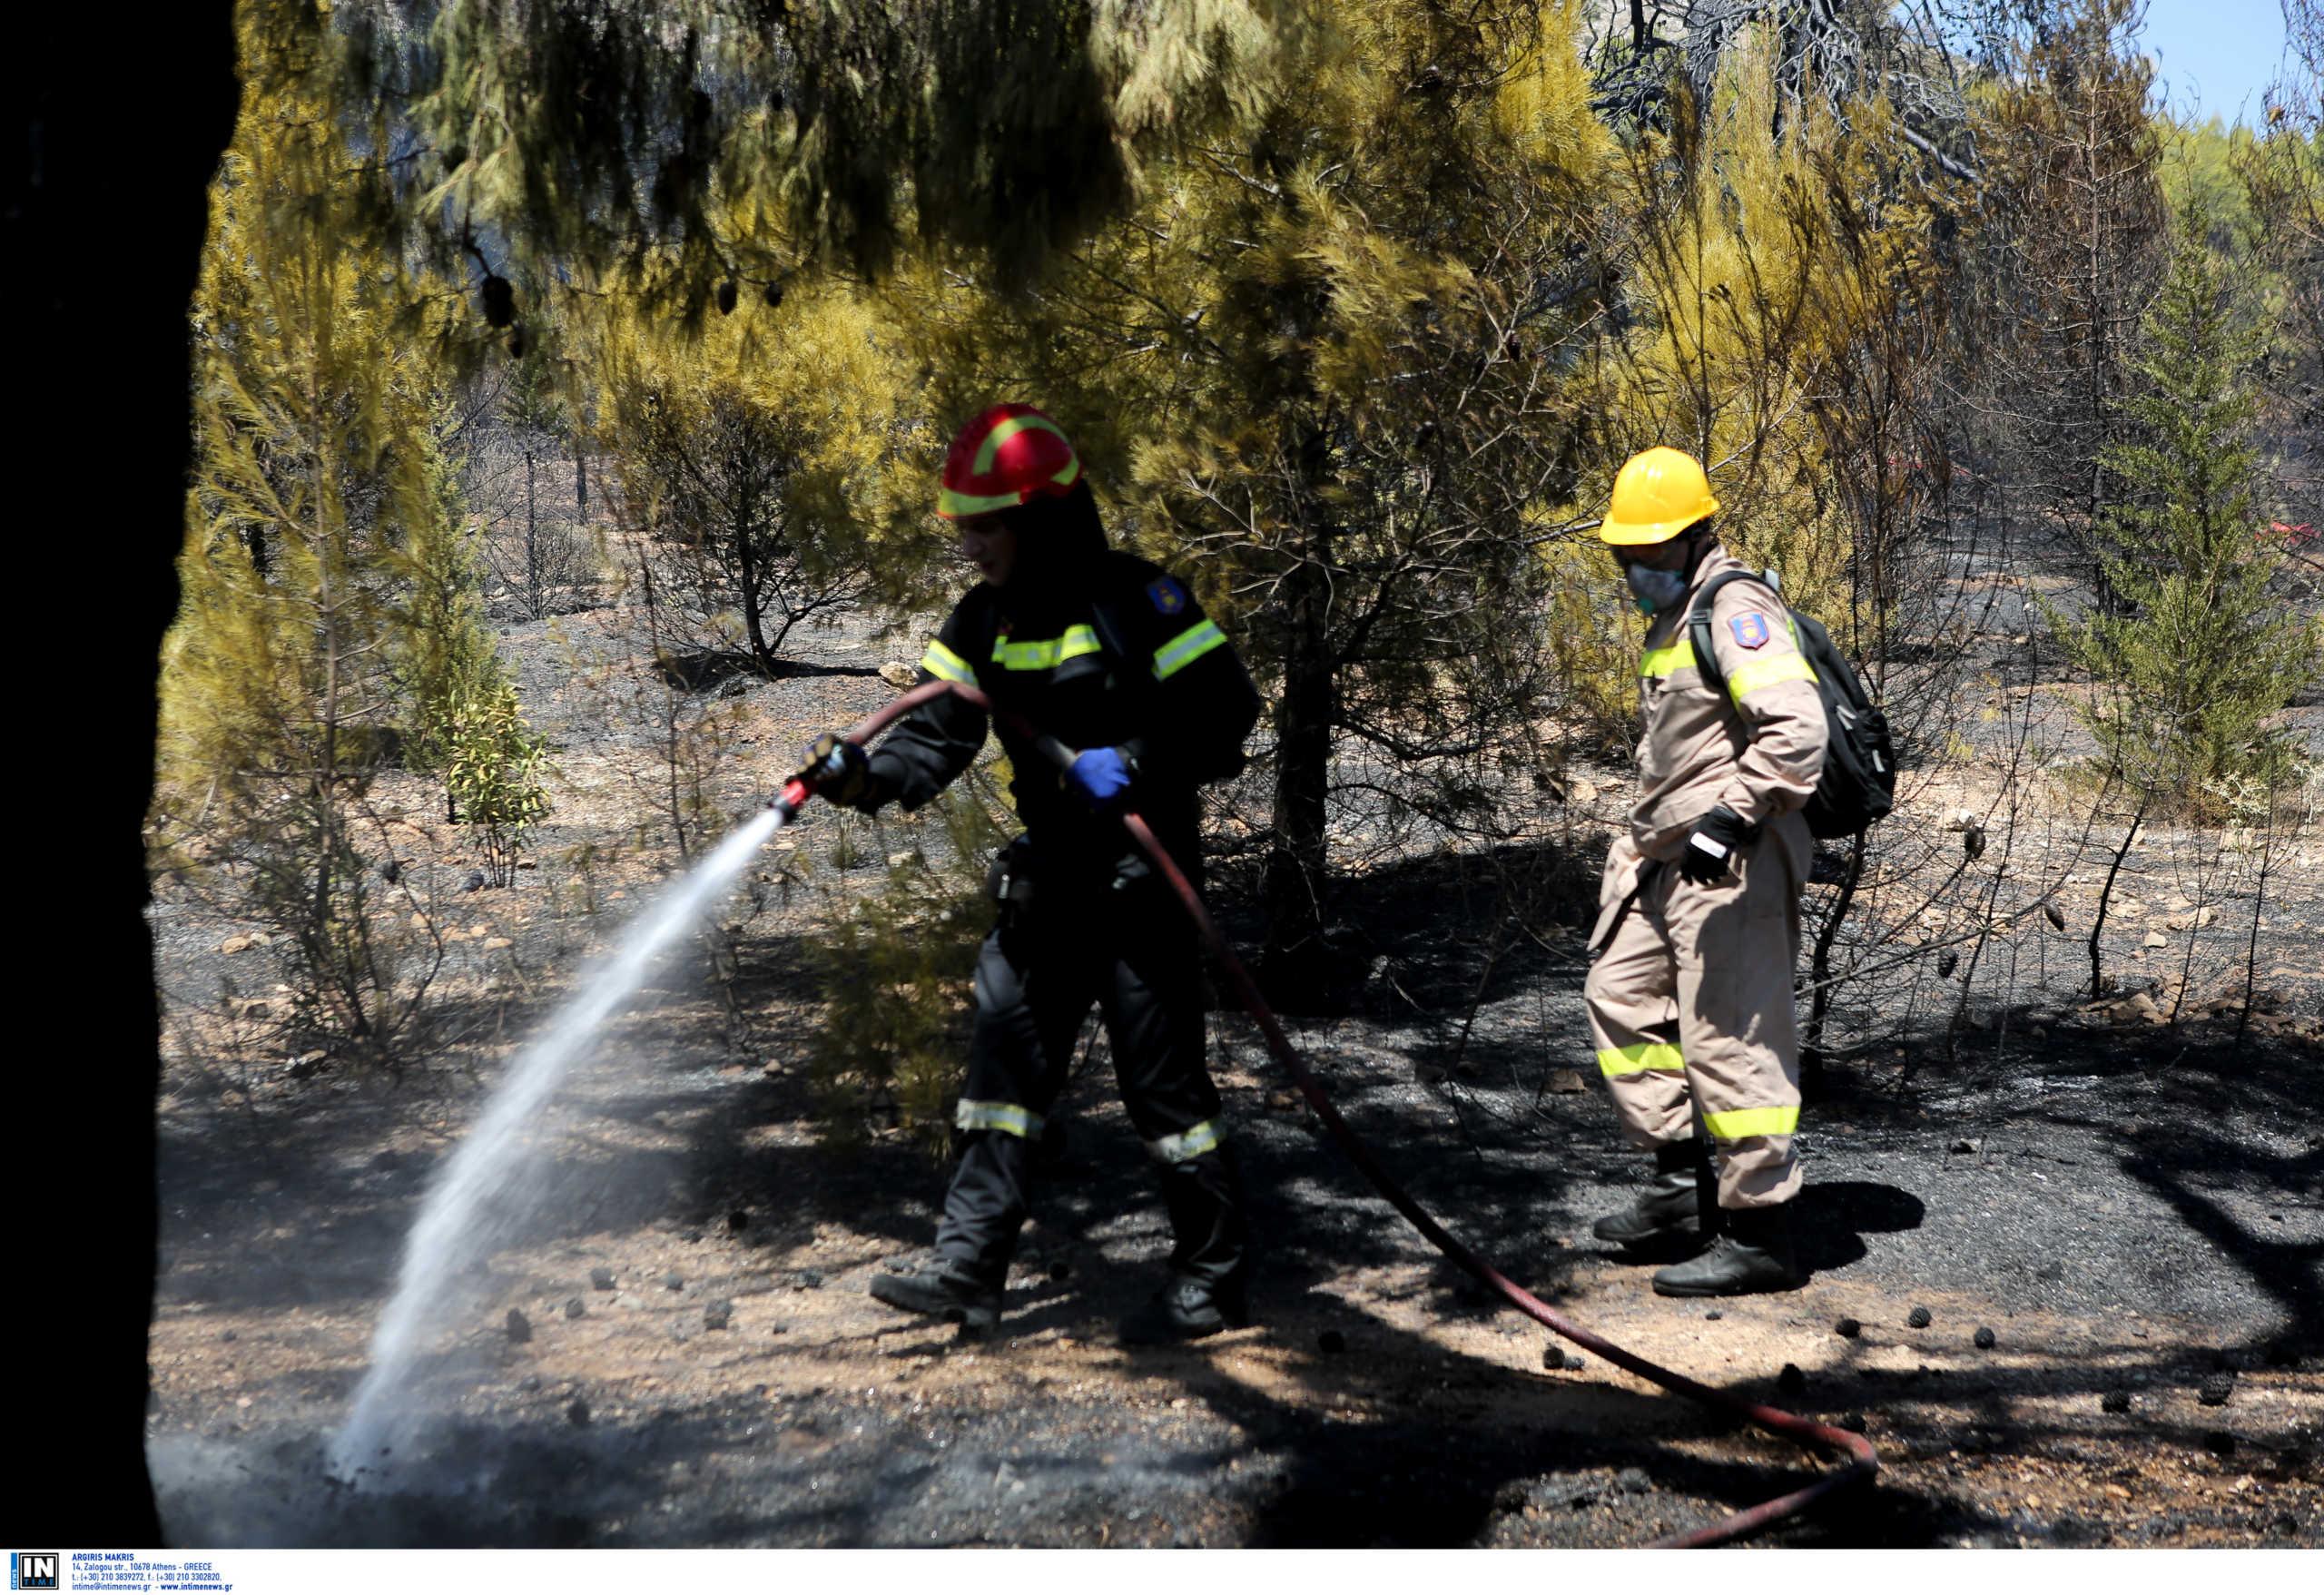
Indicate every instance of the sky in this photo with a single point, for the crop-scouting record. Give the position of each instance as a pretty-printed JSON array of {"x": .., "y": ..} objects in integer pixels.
[{"x": 2218, "y": 55}]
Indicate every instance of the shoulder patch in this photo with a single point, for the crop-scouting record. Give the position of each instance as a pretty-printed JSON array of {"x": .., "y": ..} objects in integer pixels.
[
  {"x": 1166, "y": 595},
  {"x": 1750, "y": 629}
]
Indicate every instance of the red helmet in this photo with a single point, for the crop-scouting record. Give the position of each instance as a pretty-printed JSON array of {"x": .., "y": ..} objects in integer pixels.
[{"x": 1002, "y": 458}]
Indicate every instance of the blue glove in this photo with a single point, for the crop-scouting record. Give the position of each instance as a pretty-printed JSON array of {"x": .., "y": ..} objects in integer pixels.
[{"x": 1101, "y": 775}]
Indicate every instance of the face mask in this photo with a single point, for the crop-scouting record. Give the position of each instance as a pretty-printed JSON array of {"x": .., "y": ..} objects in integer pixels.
[{"x": 1655, "y": 589}]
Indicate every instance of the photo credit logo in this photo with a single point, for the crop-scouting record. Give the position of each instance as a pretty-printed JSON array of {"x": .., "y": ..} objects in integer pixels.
[{"x": 33, "y": 1569}]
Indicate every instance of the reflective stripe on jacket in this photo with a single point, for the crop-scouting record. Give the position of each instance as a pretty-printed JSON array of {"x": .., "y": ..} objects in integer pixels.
[
  {"x": 1758, "y": 747},
  {"x": 1167, "y": 688}
]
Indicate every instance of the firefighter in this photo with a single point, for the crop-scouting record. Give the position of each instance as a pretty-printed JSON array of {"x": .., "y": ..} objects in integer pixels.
[
  {"x": 1690, "y": 998},
  {"x": 1113, "y": 657}
]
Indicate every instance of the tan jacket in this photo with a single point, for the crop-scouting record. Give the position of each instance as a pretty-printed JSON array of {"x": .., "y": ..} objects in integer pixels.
[{"x": 1758, "y": 748}]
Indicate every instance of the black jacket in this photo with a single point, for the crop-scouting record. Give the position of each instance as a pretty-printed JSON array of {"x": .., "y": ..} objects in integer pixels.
[{"x": 1097, "y": 649}]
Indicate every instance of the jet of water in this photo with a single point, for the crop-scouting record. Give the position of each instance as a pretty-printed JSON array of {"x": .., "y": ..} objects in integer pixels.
[{"x": 466, "y": 1214}]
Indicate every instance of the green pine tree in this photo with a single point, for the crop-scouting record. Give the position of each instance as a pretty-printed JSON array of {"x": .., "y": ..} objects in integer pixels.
[
  {"x": 328, "y": 623},
  {"x": 439, "y": 649},
  {"x": 2199, "y": 655}
]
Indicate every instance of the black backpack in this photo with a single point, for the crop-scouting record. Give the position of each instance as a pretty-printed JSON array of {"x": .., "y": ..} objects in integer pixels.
[{"x": 1858, "y": 784}]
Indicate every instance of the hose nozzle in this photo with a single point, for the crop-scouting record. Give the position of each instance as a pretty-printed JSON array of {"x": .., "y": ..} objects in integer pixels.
[{"x": 791, "y": 798}]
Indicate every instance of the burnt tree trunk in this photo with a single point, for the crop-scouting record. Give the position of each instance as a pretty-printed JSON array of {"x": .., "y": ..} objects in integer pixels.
[
  {"x": 746, "y": 570},
  {"x": 536, "y": 557},
  {"x": 1819, "y": 964},
  {"x": 2106, "y": 899},
  {"x": 85, "y": 271},
  {"x": 1304, "y": 717},
  {"x": 750, "y": 561}
]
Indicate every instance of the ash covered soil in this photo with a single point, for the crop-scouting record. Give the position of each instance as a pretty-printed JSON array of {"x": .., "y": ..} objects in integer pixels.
[{"x": 2134, "y": 1210}]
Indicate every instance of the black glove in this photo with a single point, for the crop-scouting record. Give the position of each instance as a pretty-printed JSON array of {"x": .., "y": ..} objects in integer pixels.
[
  {"x": 840, "y": 773},
  {"x": 1711, "y": 848}
]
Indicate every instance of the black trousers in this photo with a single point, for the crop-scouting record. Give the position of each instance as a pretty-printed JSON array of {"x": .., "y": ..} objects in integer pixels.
[{"x": 1130, "y": 951}]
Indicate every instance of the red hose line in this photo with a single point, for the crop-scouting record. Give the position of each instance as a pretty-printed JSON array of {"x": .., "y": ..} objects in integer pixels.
[{"x": 1863, "y": 1462}]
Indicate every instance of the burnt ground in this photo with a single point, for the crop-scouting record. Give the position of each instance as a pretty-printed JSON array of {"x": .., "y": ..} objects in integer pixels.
[{"x": 2136, "y": 1211}]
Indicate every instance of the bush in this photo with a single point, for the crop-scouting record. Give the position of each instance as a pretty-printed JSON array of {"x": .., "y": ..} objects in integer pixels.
[
  {"x": 492, "y": 773},
  {"x": 896, "y": 971}
]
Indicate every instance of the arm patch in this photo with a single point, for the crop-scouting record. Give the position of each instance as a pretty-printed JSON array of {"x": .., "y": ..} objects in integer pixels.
[
  {"x": 1750, "y": 629},
  {"x": 1166, "y": 594}
]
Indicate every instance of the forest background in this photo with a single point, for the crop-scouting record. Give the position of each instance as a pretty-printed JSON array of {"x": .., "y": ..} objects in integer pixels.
[
  {"x": 1353, "y": 310},
  {"x": 617, "y": 178}
]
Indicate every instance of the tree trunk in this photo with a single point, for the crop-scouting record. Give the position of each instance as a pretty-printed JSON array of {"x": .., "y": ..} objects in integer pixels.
[
  {"x": 746, "y": 570},
  {"x": 131, "y": 271},
  {"x": 535, "y": 600},
  {"x": 1303, "y": 721},
  {"x": 1819, "y": 965},
  {"x": 2106, "y": 898}
]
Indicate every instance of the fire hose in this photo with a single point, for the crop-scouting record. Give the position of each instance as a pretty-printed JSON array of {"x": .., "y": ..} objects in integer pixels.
[{"x": 1862, "y": 1462}]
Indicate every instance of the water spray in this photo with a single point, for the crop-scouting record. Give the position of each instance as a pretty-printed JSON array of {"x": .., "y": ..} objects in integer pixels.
[{"x": 476, "y": 1204}]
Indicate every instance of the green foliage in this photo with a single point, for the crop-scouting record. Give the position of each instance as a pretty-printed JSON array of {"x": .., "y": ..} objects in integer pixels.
[
  {"x": 2282, "y": 177},
  {"x": 2074, "y": 230},
  {"x": 1786, "y": 323},
  {"x": 757, "y": 451},
  {"x": 1593, "y": 632},
  {"x": 533, "y": 397},
  {"x": 1725, "y": 218},
  {"x": 326, "y": 619},
  {"x": 2199, "y": 655},
  {"x": 466, "y": 725},
  {"x": 895, "y": 972},
  {"x": 1775, "y": 254},
  {"x": 493, "y": 767},
  {"x": 1353, "y": 308},
  {"x": 2198, "y": 171},
  {"x": 439, "y": 650},
  {"x": 311, "y": 428},
  {"x": 582, "y": 135}
]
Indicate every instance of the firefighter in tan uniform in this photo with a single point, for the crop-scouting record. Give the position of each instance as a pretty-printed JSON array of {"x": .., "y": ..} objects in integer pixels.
[{"x": 1690, "y": 997}]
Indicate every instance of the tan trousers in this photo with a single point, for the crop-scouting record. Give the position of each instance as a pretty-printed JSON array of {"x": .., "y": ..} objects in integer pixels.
[{"x": 1690, "y": 1008}]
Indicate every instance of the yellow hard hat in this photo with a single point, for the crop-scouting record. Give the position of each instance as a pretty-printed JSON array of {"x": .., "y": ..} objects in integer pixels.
[{"x": 1658, "y": 494}]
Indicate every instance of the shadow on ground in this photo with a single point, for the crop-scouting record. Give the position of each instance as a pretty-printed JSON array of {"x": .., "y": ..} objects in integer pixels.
[{"x": 2177, "y": 1169}]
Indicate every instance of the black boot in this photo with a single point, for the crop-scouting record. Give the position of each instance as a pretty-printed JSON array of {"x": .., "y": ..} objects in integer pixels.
[
  {"x": 943, "y": 1289},
  {"x": 983, "y": 1211},
  {"x": 1189, "y": 1309},
  {"x": 1753, "y": 1253},
  {"x": 1203, "y": 1198},
  {"x": 1682, "y": 1199}
]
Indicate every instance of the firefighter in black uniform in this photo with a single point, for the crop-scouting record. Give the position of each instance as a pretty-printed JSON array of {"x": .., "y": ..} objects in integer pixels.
[{"x": 1110, "y": 656}]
